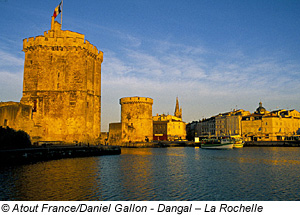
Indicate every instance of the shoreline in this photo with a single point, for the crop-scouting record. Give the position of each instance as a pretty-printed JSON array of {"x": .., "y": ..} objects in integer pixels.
[
  {"x": 37, "y": 154},
  {"x": 287, "y": 143},
  {"x": 165, "y": 144}
]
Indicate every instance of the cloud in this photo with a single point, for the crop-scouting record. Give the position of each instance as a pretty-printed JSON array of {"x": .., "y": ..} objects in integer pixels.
[
  {"x": 11, "y": 85},
  {"x": 11, "y": 76},
  {"x": 206, "y": 82},
  {"x": 7, "y": 59},
  {"x": 171, "y": 66}
]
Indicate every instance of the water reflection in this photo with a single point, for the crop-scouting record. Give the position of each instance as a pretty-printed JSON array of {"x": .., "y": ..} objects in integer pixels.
[
  {"x": 68, "y": 179},
  {"x": 270, "y": 155},
  {"x": 160, "y": 174}
]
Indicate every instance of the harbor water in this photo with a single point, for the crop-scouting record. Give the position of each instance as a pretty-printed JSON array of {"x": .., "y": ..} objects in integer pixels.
[{"x": 175, "y": 174}]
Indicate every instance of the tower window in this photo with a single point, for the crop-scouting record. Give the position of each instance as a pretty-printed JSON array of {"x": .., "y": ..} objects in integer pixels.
[{"x": 34, "y": 106}]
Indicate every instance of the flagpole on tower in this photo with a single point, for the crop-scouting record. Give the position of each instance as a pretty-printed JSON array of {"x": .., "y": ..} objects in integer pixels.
[
  {"x": 62, "y": 4},
  {"x": 57, "y": 11}
]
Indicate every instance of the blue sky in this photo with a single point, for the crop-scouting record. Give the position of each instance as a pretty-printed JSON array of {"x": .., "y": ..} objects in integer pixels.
[{"x": 215, "y": 55}]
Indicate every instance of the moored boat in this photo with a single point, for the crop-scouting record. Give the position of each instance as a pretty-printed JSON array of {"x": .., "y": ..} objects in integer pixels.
[
  {"x": 225, "y": 143},
  {"x": 238, "y": 145},
  {"x": 238, "y": 142}
]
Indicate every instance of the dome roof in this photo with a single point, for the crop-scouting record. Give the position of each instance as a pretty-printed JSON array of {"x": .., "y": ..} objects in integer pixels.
[{"x": 260, "y": 109}]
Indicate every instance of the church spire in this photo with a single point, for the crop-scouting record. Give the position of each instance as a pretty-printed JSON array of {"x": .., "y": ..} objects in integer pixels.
[{"x": 178, "y": 112}]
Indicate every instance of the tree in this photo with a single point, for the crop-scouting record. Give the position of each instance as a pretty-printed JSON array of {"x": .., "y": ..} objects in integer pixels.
[{"x": 12, "y": 139}]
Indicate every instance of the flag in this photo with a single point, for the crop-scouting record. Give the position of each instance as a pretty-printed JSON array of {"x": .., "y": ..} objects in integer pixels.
[{"x": 57, "y": 10}]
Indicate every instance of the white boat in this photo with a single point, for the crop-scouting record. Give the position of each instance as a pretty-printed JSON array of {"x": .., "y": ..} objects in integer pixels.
[{"x": 225, "y": 143}]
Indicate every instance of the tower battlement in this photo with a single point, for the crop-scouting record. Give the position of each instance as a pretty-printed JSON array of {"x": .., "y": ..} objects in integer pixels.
[
  {"x": 61, "y": 40},
  {"x": 136, "y": 99}
]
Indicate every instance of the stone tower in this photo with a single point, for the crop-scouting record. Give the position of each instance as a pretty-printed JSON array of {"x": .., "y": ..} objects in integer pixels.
[
  {"x": 136, "y": 119},
  {"x": 178, "y": 112},
  {"x": 62, "y": 82}
]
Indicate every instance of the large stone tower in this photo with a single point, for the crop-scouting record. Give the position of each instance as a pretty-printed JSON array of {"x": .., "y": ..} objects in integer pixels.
[
  {"x": 62, "y": 82},
  {"x": 136, "y": 119}
]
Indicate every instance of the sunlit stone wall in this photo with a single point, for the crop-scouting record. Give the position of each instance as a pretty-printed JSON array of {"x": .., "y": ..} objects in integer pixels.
[
  {"x": 62, "y": 83},
  {"x": 136, "y": 119}
]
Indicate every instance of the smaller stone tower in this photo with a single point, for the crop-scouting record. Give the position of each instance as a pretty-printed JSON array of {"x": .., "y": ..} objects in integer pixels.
[
  {"x": 178, "y": 112},
  {"x": 136, "y": 119}
]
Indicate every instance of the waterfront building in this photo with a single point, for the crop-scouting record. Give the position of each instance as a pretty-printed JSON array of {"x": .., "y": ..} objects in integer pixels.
[
  {"x": 191, "y": 130},
  {"x": 276, "y": 125},
  {"x": 206, "y": 128},
  {"x": 61, "y": 98},
  {"x": 229, "y": 123},
  {"x": 201, "y": 129},
  {"x": 261, "y": 125},
  {"x": 168, "y": 127},
  {"x": 136, "y": 124}
]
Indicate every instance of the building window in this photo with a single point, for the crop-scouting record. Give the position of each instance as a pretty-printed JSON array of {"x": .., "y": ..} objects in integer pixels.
[{"x": 5, "y": 122}]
